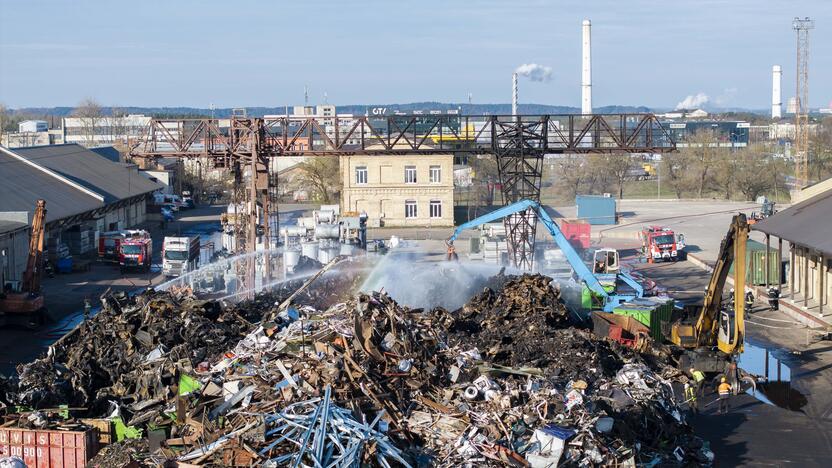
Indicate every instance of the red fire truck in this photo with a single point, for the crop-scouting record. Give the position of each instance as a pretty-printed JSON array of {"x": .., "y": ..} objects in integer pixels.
[
  {"x": 662, "y": 244},
  {"x": 136, "y": 251}
]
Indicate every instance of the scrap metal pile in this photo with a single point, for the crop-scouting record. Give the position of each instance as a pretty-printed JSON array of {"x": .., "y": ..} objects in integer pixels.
[{"x": 506, "y": 380}]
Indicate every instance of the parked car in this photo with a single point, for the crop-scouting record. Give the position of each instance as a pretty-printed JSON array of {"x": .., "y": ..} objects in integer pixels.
[
  {"x": 171, "y": 207},
  {"x": 188, "y": 203}
]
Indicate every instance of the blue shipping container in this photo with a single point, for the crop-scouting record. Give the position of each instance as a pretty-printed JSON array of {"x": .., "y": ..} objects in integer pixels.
[{"x": 596, "y": 209}]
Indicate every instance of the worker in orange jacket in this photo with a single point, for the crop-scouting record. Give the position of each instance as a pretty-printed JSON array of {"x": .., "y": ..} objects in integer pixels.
[{"x": 724, "y": 394}]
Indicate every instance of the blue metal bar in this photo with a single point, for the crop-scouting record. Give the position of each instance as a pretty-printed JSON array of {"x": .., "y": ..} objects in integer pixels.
[{"x": 583, "y": 272}]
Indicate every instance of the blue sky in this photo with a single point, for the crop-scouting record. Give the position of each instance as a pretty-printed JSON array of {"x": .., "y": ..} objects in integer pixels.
[{"x": 262, "y": 53}]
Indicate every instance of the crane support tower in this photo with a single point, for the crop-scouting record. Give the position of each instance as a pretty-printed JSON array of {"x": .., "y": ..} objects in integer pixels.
[{"x": 801, "y": 114}]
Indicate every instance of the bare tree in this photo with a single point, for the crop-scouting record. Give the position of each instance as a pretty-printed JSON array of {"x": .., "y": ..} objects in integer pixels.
[
  {"x": 820, "y": 151},
  {"x": 753, "y": 167},
  {"x": 90, "y": 114},
  {"x": 322, "y": 176},
  {"x": 675, "y": 167},
  {"x": 570, "y": 175},
  {"x": 703, "y": 152},
  {"x": 3, "y": 119},
  {"x": 725, "y": 175},
  {"x": 618, "y": 167}
]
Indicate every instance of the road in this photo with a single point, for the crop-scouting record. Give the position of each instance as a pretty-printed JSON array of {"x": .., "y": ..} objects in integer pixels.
[
  {"x": 790, "y": 424},
  {"x": 64, "y": 294}
]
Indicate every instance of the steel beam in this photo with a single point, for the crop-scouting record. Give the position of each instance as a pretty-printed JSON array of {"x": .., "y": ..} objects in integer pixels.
[{"x": 518, "y": 142}]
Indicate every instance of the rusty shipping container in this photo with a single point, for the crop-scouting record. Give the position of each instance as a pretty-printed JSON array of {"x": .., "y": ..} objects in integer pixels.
[{"x": 49, "y": 448}]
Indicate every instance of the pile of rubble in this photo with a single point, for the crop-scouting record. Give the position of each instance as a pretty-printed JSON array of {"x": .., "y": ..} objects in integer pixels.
[{"x": 506, "y": 380}]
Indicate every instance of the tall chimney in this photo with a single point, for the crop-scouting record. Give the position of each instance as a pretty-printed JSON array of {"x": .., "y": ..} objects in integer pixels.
[
  {"x": 514, "y": 93},
  {"x": 586, "y": 70},
  {"x": 776, "y": 99}
]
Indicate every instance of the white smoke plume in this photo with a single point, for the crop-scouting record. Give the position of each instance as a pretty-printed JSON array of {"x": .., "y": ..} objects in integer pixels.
[
  {"x": 693, "y": 101},
  {"x": 535, "y": 72}
]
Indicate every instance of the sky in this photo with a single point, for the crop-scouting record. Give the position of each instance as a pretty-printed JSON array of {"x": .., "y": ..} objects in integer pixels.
[{"x": 245, "y": 53}]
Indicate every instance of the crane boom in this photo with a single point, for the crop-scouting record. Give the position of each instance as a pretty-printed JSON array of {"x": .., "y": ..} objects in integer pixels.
[
  {"x": 581, "y": 269},
  {"x": 713, "y": 327},
  {"x": 34, "y": 263}
]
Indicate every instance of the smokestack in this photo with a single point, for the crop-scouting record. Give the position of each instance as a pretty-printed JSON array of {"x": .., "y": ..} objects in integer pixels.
[
  {"x": 514, "y": 93},
  {"x": 776, "y": 99},
  {"x": 586, "y": 70}
]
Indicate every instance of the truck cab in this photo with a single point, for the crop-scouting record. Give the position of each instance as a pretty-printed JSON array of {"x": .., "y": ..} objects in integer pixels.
[
  {"x": 180, "y": 255},
  {"x": 135, "y": 251},
  {"x": 661, "y": 244}
]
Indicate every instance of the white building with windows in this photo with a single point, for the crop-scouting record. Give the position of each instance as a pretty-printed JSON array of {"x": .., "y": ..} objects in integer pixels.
[
  {"x": 400, "y": 190},
  {"x": 103, "y": 130}
]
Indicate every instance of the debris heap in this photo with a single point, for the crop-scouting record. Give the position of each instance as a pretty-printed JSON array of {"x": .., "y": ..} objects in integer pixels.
[{"x": 507, "y": 380}]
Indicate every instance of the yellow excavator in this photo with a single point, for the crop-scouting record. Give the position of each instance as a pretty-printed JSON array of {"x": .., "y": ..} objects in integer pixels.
[
  {"x": 27, "y": 304},
  {"x": 716, "y": 335}
]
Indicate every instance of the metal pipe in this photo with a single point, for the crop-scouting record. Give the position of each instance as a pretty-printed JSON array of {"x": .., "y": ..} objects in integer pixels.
[
  {"x": 792, "y": 267},
  {"x": 767, "y": 260}
]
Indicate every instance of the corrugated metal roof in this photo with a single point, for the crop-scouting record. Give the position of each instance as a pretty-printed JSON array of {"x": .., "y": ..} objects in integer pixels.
[
  {"x": 808, "y": 223},
  {"x": 111, "y": 180},
  {"x": 22, "y": 184},
  {"x": 9, "y": 226}
]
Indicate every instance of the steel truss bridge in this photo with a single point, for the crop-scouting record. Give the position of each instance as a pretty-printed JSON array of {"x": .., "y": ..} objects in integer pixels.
[{"x": 518, "y": 143}]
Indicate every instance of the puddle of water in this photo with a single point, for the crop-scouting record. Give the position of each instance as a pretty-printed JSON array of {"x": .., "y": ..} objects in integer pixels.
[{"x": 772, "y": 365}]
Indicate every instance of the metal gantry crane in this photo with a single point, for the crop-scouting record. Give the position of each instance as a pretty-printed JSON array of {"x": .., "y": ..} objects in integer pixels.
[{"x": 519, "y": 143}]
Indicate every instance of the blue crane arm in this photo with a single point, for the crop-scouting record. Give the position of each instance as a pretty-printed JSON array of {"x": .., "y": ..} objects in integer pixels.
[
  {"x": 578, "y": 265},
  {"x": 493, "y": 216},
  {"x": 580, "y": 268},
  {"x": 637, "y": 287}
]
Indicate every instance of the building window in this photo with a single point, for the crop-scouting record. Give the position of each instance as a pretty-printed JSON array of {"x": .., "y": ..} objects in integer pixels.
[
  {"x": 435, "y": 174},
  {"x": 435, "y": 209},
  {"x": 361, "y": 175},
  {"x": 410, "y": 209},
  {"x": 410, "y": 174}
]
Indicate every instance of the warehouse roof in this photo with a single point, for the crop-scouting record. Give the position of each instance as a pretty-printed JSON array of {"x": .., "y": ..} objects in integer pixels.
[
  {"x": 111, "y": 180},
  {"x": 72, "y": 180},
  {"x": 23, "y": 184},
  {"x": 10, "y": 226},
  {"x": 807, "y": 223}
]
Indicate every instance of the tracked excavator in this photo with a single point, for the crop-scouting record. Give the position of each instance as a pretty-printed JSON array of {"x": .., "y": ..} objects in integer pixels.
[
  {"x": 27, "y": 305},
  {"x": 713, "y": 338}
]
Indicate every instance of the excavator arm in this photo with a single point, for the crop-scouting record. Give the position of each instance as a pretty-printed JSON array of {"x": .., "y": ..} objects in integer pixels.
[
  {"x": 705, "y": 332},
  {"x": 34, "y": 264}
]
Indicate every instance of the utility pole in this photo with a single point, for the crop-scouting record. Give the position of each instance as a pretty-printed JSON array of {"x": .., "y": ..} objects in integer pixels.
[{"x": 801, "y": 114}]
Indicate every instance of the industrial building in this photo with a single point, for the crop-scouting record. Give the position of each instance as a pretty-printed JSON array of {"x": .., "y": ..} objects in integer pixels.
[
  {"x": 14, "y": 248},
  {"x": 728, "y": 134},
  {"x": 104, "y": 130},
  {"x": 85, "y": 193},
  {"x": 400, "y": 190},
  {"x": 806, "y": 226}
]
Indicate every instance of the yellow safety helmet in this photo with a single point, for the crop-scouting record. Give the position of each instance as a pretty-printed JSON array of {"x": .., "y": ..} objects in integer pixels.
[{"x": 722, "y": 380}]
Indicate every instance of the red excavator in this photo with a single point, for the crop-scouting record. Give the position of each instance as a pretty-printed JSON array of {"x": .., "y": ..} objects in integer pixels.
[{"x": 26, "y": 305}]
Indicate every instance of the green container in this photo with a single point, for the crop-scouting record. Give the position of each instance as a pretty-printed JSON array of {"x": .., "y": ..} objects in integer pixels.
[
  {"x": 586, "y": 295},
  {"x": 755, "y": 264},
  {"x": 650, "y": 311}
]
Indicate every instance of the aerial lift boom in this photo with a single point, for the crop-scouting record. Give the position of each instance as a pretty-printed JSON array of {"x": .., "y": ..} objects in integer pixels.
[{"x": 583, "y": 272}]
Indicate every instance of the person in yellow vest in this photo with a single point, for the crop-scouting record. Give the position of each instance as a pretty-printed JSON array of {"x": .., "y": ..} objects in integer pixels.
[
  {"x": 690, "y": 398},
  {"x": 699, "y": 381},
  {"x": 724, "y": 395}
]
